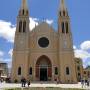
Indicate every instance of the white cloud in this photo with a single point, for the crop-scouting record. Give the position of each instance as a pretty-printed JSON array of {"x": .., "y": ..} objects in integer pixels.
[
  {"x": 82, "y": 54},
  {"x": 85, "y": 45},
  {"x": 49, "y": 21},
  {"x": 7, "y": 30},
  {"x": 33, "y": 23},
  {"x": 1, "y": 53},
  {"x": 74, "y": 47},
  {"x": 10, "y": 52},
  {"x": 82, "y": 51}
]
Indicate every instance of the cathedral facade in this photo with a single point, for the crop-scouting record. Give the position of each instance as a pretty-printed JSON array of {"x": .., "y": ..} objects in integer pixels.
[{"x": 43, "y": 54}]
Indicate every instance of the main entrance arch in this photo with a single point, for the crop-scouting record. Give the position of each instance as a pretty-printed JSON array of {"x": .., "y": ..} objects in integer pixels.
[{"x": 43, "y": 68}]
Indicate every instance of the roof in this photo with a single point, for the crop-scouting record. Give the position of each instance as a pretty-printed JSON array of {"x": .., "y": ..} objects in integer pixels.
[
  {"x": 43, "y": 27},
  {"x": 3, "y": 62}
]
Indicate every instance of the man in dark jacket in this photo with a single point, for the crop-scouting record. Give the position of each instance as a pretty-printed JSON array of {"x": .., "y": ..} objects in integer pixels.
[{"x": 23, "y": 81}]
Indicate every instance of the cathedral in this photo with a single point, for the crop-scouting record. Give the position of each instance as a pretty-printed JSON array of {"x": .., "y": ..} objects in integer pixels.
[{"x": 43, "y": 54}]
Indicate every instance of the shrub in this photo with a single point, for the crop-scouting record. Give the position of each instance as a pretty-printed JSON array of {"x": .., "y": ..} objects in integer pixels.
[{"x": 15, "y": 81}]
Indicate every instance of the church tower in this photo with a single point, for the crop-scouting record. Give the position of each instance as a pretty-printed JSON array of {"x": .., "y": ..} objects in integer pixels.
[
  {"x": 66, "y": 52},
  {"x": 21, "y": 44}
]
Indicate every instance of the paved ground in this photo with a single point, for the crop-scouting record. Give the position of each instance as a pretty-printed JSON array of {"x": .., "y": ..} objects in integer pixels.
[{"x": 6, "y": 85}]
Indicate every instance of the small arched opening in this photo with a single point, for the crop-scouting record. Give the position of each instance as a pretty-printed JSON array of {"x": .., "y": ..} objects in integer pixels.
[{"x": 19, "y": 70}]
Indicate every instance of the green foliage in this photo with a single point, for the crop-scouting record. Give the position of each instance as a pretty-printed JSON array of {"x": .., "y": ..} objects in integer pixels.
[
  {"x": 14, "y": 89},
  {"x": 15, "y": 81}
]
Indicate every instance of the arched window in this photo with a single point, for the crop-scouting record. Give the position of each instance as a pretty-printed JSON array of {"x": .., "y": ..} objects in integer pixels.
[
  {"x": 27, "y": 12},
  {"x": 20, "y": 26},
  {"x": 19, "y": 71},
  {"x": 30, "y": 71},
  {"x": 63, "y": 30},
  {"x": 66, "y": 27},
  {"x": 24, "y": 26},
  {"x": 23, "y": 11},
  {"x": 63, "y": 13},
  {"x": 67, "y": 71},
  {"x": 78, "y": 68},
  {"x": 79, "y": 74},
  {"x": 60, "y": 13},
  {"x": 56, "y": 70}
]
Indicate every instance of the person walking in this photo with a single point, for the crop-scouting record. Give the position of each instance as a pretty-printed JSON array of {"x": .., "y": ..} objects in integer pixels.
[
  {"x": 82, "y": 83},
  {"x": 28, "y": 83},
  {"x": 86, "y": 81}
]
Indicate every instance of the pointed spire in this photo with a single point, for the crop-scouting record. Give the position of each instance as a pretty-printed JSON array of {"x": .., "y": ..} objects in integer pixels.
[
  {"x": 24, "y": 4},
  {"x": 24, "y": 8},
  {"x": 63, "y": 10},
  {"x": 63, "y": 6}
]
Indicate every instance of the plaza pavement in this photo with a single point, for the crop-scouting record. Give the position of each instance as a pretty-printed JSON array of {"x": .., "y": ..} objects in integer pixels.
[{"x": 13, "y": 85}]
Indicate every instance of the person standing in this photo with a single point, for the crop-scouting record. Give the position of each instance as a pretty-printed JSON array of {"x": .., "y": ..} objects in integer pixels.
[
  {"x": 24, "y": 82},
  {"x": 89, "y": 80},
  {"x": 88, "y": 83}
]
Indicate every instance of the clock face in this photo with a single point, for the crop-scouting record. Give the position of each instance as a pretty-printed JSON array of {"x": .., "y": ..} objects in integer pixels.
[{"x": 43, "y": 42}]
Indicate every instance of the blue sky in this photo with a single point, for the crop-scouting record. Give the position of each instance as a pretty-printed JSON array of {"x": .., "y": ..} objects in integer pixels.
[{"x": 79, "y": 12}]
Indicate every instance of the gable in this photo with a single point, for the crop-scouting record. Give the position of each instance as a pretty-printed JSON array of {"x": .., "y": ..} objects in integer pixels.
[{"x": 43, "y": 28}]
